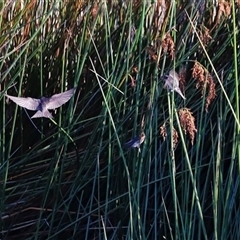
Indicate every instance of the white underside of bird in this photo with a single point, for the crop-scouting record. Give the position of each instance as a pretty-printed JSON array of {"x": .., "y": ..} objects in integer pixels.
[{"x": 43, "y": 104}]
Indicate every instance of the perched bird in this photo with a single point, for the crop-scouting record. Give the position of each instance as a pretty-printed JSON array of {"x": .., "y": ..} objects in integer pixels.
[
  {"x": 135, "y": 142},
  {"x": 43, "y": 104},
  {"x": 172, "y": 82}
]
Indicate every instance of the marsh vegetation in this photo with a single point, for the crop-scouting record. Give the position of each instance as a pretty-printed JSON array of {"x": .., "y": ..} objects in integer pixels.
[{"x": 72, "y": 177}]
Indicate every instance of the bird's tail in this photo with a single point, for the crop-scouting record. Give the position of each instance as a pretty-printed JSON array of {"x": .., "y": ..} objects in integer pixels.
[
  {"x": 180, "y": 93},
  {"x": 45, "y": 114}
]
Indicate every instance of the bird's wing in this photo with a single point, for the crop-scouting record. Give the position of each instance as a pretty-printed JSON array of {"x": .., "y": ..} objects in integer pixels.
[
  {"x": 174, "y": 74},
  {"x": 132, "y": 143},
  {"x": 28, "y": 103},
  {"x": 58, "y": 100},
  {"x": 174, "y": 78}
]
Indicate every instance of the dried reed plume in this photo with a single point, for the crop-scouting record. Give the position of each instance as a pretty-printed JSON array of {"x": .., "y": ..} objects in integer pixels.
[
  {"x": 187, "y": 122},
  {"x": 168, "y": 45},
  {"x": 163, "y": 134},
  {"x": 204, "y": 80}
]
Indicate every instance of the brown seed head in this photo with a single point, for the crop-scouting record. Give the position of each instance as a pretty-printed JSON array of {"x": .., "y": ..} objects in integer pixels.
[{"x": 187, "y": 122}]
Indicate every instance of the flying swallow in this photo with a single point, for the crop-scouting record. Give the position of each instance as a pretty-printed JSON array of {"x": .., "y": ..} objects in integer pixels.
[
  {"x": 135, "y": 142},
  {"x": 172, "y": 82},
  {"x": 43, "y": 104}
]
